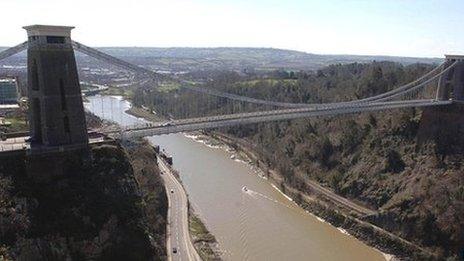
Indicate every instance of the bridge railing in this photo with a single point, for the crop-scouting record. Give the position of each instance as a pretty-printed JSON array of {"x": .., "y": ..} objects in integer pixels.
[{"x": 268, "y": 116}]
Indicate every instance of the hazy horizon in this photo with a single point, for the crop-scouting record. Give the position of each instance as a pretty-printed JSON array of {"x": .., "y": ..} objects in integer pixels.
[
  {"x": 270, "y": 48},
  {"x": 382, "y": 28}
]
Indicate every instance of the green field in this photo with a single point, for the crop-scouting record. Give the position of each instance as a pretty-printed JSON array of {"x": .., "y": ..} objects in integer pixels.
[
  {"x": 17, "y": 124},
  {"x": 268, "y": 82}
]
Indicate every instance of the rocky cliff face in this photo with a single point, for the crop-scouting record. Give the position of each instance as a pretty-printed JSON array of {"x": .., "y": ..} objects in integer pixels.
[
  {"x": 427, "y": 203},
  {"x": 444, "y": 127},
  {"x": 95, "y": 212},
  {"x": 407, "y": 164}
]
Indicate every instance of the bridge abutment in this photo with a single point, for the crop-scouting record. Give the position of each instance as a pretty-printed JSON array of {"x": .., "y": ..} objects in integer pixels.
[
  {"x": 444, "y": 126},
  {"x": 451, "y": 83}
]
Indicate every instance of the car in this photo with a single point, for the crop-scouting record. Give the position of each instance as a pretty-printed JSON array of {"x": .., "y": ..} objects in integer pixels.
[
  {"x": 172, "y": 191},
  {"x": 174, "y": 250},
  {"x": 167, "y": 124},
  {"x": 95, "y": 135}
]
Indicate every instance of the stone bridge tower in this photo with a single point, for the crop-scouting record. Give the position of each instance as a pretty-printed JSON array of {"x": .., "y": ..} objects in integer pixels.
[
  {"x": 56, "y": 112},
  {"x": 451, "y": 84}
]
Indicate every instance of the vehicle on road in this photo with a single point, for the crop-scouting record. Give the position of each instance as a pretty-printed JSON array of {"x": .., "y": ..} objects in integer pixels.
[
  {"x": 172, "y": 191},
  {"x": 166, "y": 124},
  {"x": 245, "y": 188},
  {"x": 95, "y": 135},
  {"x": 174, "y": 250}
]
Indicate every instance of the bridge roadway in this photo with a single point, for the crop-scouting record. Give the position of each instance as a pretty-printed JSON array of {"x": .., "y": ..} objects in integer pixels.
[
  {"x": 21, "y": 143},
  {"x": 193, "y": 124}
]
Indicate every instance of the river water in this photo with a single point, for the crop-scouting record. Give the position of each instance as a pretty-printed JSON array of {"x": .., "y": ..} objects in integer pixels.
[{"x": 259, "y": 224}]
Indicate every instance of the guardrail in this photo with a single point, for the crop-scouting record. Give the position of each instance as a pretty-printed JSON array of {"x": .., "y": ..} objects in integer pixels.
[{"x": 258, "y": 117}]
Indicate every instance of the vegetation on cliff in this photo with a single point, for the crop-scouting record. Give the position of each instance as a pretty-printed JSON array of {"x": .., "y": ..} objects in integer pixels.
[
  {"x": 205, "y": 242},
  {"x": 101, "y": 210},
  {"x": 383, "y": 160},
  {"x": 17, "y": 122}
]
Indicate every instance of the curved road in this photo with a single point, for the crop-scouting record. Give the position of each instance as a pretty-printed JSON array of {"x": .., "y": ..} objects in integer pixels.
[{"x": 178, "y": 227}]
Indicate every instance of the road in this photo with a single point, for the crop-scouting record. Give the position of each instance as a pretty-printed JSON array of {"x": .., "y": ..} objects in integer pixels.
[
  {"x": 251, "y": 148},
  {"x": 339, "y": 199},
  {"x": 178, "y": 222},
  {"x": 178, "y": 227},
  {"x": 12, "y": 144},
  {"x": 19, "y": 143}
]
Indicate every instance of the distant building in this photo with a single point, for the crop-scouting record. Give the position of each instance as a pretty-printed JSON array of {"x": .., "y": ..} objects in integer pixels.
[{"x": 8, "y": 91}]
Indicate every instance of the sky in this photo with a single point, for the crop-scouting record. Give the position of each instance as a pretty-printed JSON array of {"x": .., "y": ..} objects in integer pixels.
[{"x": 419, "y": 28}]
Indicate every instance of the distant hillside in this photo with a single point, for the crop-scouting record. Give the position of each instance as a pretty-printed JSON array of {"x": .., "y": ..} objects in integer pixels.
[
  {"x": 237, "y": 58},
  {"x": 240, "y": 58}
]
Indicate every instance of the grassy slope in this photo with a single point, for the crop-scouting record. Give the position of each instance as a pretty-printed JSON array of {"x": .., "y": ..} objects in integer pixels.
[{"x": 202, "y": 238}]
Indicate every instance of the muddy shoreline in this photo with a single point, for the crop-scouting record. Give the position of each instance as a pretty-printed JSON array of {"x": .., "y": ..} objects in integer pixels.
[
  {"x": 321, "y": 207},
  {"x": 390, "y": 245}
]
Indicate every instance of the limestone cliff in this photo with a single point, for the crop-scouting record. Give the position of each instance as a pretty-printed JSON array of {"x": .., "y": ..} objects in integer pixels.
[{"x": 95, "y": 211}]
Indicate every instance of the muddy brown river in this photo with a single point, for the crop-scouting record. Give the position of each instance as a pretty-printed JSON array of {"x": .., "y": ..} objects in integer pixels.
[{"x": 258, "y": 224}]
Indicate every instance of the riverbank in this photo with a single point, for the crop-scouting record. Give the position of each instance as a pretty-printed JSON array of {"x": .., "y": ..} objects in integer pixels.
[
  {"x": 327, "y": 209},
  {"x": 144, "y": 114},
  {"x": 205, "y": 243},
  {"x": 254, "y": 219}
]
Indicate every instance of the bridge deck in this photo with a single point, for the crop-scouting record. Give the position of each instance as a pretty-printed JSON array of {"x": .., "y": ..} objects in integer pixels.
[
  {"x": 454, "y": 57},
  {"x": 265, "y": 116},
  {"x": 20, "y": 144}
]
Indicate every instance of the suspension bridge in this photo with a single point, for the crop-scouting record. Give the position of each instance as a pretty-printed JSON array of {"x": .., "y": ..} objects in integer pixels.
[{"x": 446, "y": 81}]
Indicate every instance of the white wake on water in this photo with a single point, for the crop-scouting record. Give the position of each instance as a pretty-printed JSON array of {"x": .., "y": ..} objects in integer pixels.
[{"x": 256, "y": 194}]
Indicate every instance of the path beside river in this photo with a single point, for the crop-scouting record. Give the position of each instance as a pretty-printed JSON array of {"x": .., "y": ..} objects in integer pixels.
[{"x": 258, "y": 224}]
